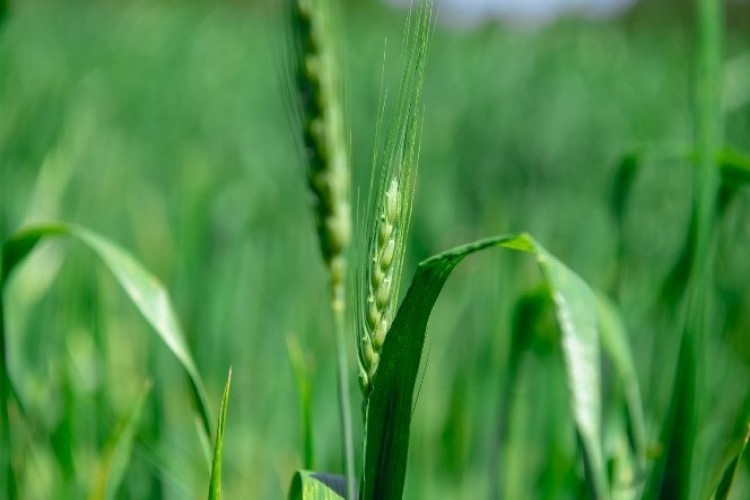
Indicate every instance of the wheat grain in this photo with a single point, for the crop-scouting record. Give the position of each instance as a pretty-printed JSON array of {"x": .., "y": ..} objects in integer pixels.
[
  {"x": 379, "y": 296},
  {"x": 385, "y": 251}
]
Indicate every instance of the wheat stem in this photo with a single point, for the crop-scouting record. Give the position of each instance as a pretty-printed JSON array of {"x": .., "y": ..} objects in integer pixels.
[
  {"x": 345, "y": 412},
  {"x": 318, "y": 91}
]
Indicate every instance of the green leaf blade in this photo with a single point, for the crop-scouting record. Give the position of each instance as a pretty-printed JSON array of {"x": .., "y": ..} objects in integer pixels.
[
  {"x": 146, "y": 292},
  {"x": 308, "y": 485},
  {"x": 304, "y": 394},
  {"x": 214, "y": 489},
  {"x": 575, "y": 307},
  {"x": 724, "y": 488},
  {"x": 152, "y": 300},
  {"x": 391, "y": 402}
]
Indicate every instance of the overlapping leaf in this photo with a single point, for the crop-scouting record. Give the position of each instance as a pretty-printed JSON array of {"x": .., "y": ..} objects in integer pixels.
[{"x": 390, "y": 404}]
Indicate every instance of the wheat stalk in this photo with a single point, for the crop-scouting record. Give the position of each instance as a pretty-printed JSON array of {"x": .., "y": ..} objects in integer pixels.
[{"x": 318, "y": 98}]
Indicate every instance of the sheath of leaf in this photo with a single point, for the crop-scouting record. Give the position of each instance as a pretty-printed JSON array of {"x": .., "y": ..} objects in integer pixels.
[{"x": 384, "y": 230}]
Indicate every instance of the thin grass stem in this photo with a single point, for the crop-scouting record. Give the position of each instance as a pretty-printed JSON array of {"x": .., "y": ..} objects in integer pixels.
[{"x": 345, "y": 410}]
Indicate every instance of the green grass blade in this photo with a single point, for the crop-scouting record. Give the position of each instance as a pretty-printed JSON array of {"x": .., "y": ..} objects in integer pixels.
[
  {"x": 145, "y": 291},
  {"x": 527, "y": 322},
  {"x": 628, "y": 167},
  {"x": 7, "y": 477},
  {"x": 734, "y": 170},
  {"x": 304, "y": 393},
  {"x": 617, "y": 347},
  {"x": 111, "y": 469},
  {"x": 733, "y": 165},
  {"x": 391, "y": 402},
  {"x": 680, "y": 431},
  {"x": 727, "y": 478},
  {"x": 214, "y": 489},
  {"x": 313, "y": 486}
]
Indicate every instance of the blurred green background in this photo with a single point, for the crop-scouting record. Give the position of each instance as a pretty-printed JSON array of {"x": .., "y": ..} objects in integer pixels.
[{"x": 163, "y": 126}]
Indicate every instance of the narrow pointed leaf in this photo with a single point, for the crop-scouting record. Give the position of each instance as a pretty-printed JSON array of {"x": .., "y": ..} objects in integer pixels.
[
  {"x": 115, "y": 461},
  {"x": 316, "y": 486},
  {"x": 214, "y": 489},
  {"x": 725, "y": 484},
  {"x": 144, "y": 290},
  {"x": 390, "y": 404}
]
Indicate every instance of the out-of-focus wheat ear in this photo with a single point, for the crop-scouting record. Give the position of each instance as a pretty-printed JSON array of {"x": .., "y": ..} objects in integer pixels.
[
  {"x": 316, "y": 86},
  {"x": 318, "y": 99}
]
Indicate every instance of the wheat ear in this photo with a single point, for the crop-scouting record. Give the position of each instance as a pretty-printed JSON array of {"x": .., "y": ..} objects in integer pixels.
[
  {"x": 389, "y": 207},
  {"x": 318, "y": 89}
]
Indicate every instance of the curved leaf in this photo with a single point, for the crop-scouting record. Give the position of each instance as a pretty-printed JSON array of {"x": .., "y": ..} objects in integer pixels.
[
  {"x": 390, "y": 404},
  {"x": 214, "y": 488},
  {"x": 314, "y": 486},
  {"x": 115, "y": 460},
  {"x": 532, "y": 314},
  {"x": 144, "y": 290}
]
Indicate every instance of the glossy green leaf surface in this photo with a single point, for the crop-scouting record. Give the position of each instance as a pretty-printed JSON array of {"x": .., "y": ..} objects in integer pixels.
[{"x": 391, "y": 402}]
